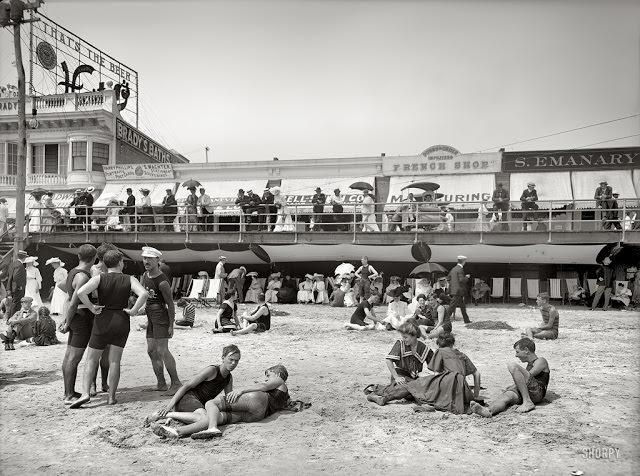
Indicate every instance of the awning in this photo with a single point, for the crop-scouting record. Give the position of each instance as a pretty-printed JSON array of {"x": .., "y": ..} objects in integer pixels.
[
  {"x": 585, "y": 184},
  {"x": 554, "y": 188},
  {"x": 118, "y": 191},
  {"x": 224, "y": 193},
  {"x": 300, "y": 191},
  {"x": 455, "y": 188}
]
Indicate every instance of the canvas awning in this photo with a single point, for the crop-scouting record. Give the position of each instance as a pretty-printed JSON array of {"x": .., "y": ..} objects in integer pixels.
[
  {"x": 554, "y": 188},
  {"x": 456, "y": 189},
  {"x": 118, "y": 191},
  {"x": 224, "y": 193},
  {"x": 300, "y": 191},
  {"x": 585, "y": 184}
]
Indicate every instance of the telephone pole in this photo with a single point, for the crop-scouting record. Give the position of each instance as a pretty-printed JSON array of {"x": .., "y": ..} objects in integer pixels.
[{"x": 12, "y": 13}]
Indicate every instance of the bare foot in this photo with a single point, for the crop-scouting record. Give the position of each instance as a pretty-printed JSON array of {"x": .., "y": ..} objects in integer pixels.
[
  {"x": 173, "y": 389},
  {"x": 376, "y": 399},
  {"x": 480, "y": 410},
  {"x": 79, "y": 402},
  {"x": 92, "y": 391},
  {"x": 525, "y": 407},
  {"x": 111, "y": 400},
  {"x": 424, "y": 408},
  {"x": 233, "y": 333},
  {"x": 105, "y": 387},
  {"x": 155, "y": 416}
]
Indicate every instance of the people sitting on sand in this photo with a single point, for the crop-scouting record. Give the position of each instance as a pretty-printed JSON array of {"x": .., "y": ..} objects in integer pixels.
[
  {"x": 397, "y": 309},
  {"x": 349, "y": 293},
  {"x": 621, "y": 297},
  {"x": 443, "y": 324},
  {"x": 339, "y": 290},
  {"x": 394, "y": 282},
  {"x": 226, "y": 319},
  {"x": 548, "y": 329},
  {"x": 579, "y": 295},
  {"x": 188, "y": 313},
  {"x": 305, "y": 290},
  {"x": 44, "y": 329},
  {"x": 20, "y": 325},
  {"x": 365, "y": 311},
  {"x": 445, "y": 391},
  {"x": 188, "y": 404},
  {"x": 239, "y": 406},
  {"x": 257, "y": 321},
  {"x": 425, "y": 313},
  {"x": 320, "y": 289},
  {"x": 274, "y": 284},
  {"x": 530, "y": 384}
]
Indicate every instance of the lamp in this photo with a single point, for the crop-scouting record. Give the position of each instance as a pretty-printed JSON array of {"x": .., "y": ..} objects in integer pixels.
[{"x": 33, "y": 122}]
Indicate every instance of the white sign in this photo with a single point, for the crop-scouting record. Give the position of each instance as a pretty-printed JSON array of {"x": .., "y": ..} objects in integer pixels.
[
  {"x": 138, "y": 171},
  {"x": 441, "y": 160}
]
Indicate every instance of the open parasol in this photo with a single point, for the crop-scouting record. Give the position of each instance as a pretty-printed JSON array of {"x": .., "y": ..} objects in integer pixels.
[
  {"x": 191, "y": 183},
  {"x": 425, "y": 269},
  {"x": 361, "y": 186},
  {"x": 39, "y": 192},
  {"x": 344, "y": 268},
  {"x": 426, "y": 186}
]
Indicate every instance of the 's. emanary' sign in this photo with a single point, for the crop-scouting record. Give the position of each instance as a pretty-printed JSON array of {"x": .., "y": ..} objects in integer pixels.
[
  {"x": 579, "y": 159},
  {"x": 138, "y": 171}
]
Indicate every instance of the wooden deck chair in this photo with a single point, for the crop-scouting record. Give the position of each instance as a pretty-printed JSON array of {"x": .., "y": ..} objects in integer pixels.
[
  {"x": 186, "y": 283},
  {"x": 533, "y": 289},
  {"x": 212, "y": 292},
  {"x": 515, "y": 288},
  {"x": 555, "y": 291},
  {"x": 175, "y": 286},
  {"x": 592, "y": 284},
  {"x": 572, "y": 286},
  {"x": 195, "y": 291},
  {"x": 497, "y": 289}
]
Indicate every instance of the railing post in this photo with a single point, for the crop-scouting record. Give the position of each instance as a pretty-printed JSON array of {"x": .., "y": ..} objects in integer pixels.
[
  {"x": 295, "y": 222},
  {"x": 549, "y": 222},
  {"x": 624, "y": 217},
  {"x": 355, "y": 226}
]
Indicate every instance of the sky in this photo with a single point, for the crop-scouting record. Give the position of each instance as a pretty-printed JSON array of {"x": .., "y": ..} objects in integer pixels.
[{"x": 308, "y": 79}]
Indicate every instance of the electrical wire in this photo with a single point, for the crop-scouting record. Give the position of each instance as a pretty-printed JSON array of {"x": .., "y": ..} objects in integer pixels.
[{"x": 605, "y": 141}]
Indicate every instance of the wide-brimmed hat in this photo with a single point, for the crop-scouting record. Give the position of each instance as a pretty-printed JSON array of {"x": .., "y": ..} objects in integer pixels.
[
  {"x": 3, "y": 200},
  {"x": 395, "y": 292},
  {"x": 144, "y": 190},
  {"x": 203, "y": 273},
  {"x": 31, "y": 259},
  {"x": 275, "y": 275},
  {"x": 308, "y": 276},
  {"x": 26, "y": 299},
  {"x": 22, "y": 253},
  {"x": 54, "y": 260},
  {"x": 90, "y": 189},
  {"x": 253, "y": 273},
  {"x": 318, "y": 275},
  {"x": 531, "y": 184},
  {"x": 222, "y": 257}
]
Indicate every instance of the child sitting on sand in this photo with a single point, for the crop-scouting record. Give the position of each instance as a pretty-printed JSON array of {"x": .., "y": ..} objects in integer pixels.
[
  {"x": 44, "y": 329},
  {"x": 365, "y": 310},
  {"x": 548, "y": 329},
  {"x": 188, "y": 313},
  {"x": 530, "y": 384},
  {"x": 257, "y": 321}
]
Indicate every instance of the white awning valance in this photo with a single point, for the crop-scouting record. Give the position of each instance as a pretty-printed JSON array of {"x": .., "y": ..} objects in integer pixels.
[
  {"x": 224, "y": 193},
  {"x": 554, "y": 188},
  {"x": 586, "y": 183},
  {"x": 300, "y": 191},
  {"x": 118, "y": 191}
]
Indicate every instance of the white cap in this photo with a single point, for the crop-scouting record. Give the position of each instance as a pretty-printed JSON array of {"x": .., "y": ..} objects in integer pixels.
[
  {"x": 223, "y": 257},
  {"x": 149, "y": 252},
  {"x": 461, "y": 257}
]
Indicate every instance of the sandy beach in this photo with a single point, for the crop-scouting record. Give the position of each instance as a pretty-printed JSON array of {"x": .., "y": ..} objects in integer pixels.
[{"x": 589, "y": 423}]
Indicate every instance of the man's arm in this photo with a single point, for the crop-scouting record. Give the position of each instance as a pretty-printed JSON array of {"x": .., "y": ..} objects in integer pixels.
[
  {"x": 78, "y": 281},
  {"x": 254, "y": 317},
  {"x": 165, "y": 290},
  {"x": 476, "y": 384},
  {"x": 538, "y": 366},
  {"x": 374, "y": 274},
  {"x": 358, "y": 271},
  {"x": 553, "y": 315}
]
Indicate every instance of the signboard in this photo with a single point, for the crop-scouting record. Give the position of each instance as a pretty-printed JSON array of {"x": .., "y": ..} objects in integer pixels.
[
  {"x": 441, "y": 160},
  {"x": 142, "y": 143},
  {"x": 62, "y": 62},
  {"x": 582, "y": 159},
  {"x": 138, "y": 171}
]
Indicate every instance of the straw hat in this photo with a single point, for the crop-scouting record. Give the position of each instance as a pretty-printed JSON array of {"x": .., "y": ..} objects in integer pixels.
[
  {"x": 54, "y": 260},
  {"x": 31, "y": 259},
  {"x": 253, "y": 273}
]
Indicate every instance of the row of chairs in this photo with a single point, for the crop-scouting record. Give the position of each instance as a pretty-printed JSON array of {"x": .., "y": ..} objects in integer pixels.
[{"x": 201, "y": 291}]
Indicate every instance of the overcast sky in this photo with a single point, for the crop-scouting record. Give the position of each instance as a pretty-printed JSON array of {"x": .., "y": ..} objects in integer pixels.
[{"x": 326, "y": 78}]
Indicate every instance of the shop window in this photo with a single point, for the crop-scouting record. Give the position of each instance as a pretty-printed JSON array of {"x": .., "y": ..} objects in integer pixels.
[
  {"x": 99, "y": 156},
  {"x": 12, "y": 159},
  {"x": 79, "y": 155}
]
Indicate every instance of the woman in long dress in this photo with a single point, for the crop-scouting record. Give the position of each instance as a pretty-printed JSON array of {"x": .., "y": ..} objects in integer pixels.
[
  {"x": 36, "y": 214},
  {"x": 319, "y": 286},
  {"x": 283, "y": 219},
  {"x": 275, "y": 283},
  {"x": 34, "y": 281},
  {"x": 255, "y": 288},
  {"x": 46, "y": 220},
  {"x": 59, "y": 300},
  {"x": 305, "y": 292},
  {"x": 483, "y": 220}
]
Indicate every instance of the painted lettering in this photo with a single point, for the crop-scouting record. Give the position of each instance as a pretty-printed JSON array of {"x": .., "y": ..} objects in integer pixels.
[{"x": 520, "y": 162}]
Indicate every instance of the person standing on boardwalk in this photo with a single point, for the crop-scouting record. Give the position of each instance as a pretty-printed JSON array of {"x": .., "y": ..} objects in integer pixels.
[{"x": 459, "y": 286}]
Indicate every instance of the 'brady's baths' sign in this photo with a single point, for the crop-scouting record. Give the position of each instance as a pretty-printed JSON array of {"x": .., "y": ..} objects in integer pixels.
[{"x": 579, "y": 159}]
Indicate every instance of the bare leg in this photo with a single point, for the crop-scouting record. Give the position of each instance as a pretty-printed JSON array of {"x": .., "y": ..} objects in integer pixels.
[
  {"x": 90, "y": 369},
  {"x": 115, "y": 355},
  {"x": 104, "y": 369},
  {"x": 520, "y": 377},
  {"x": 72, "y": 358},
  {"x": 156, "y": 364},
  {"x": 245, "y": 330},
  {"x": 188, "y": 417},
  {"x": 169, "y": 362},
  {"x": 504, "y": 401}
]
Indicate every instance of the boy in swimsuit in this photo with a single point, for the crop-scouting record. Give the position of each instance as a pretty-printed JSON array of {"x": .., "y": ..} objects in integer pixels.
[
  {"x": 530, "y": 385},
  {"x": 548, "y": 329}
]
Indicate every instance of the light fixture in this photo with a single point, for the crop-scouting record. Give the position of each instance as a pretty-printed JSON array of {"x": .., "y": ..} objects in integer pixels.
[{"x": 33, "y": 122}]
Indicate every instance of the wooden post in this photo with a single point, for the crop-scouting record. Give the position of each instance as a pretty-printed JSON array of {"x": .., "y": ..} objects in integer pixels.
[{"x": 21, "y": 177}]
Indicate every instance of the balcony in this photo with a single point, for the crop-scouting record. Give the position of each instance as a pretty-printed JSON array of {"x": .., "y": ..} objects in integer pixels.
[
  {"x": 35, "y": 180},
  {"x": 62, "y": 103}
]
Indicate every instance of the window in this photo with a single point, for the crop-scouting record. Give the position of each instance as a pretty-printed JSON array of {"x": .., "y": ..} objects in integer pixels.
[
  {"x": 99, "y": 156},
  {"x": 12, "y": 159},
  {"x": 64, "y": 159},
  {"x": 3, "y": 160},
  {"x": 37, "y": 159},
  {"x": 51, "y": 159},
  {"x": 79, "y": 155}
]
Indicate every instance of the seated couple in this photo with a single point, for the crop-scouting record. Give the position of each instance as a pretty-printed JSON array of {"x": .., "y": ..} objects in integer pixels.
[
  {"x": 257, "y": 321},
  {"x": 30, "y": 325},
  {"x": 199, "y": 405}
]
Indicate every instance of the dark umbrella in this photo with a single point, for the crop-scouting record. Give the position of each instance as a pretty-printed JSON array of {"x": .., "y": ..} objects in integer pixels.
[
  {"x": 620, "y": 253},
  {"x": 39, "y": 192},
  {"x": 421, "y": 251},
  {"x": 191, "y": 183},
  {"x": 260, "y": 252},
  {"x": 426, "y": 186},
  {"x": 426, "y": 269},
  {"x": 361, "y": 186}
]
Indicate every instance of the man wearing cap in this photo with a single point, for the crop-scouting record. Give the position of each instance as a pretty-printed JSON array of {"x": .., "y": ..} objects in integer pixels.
[
  {"x": 169, "y": 209},
  {"x": 16, "y": 282},
  {"x": 4, "y": 216},
  {"x": 130, "y": 210},
  {"x": 459, "y": 288},
  {"x": 500, "y": 200},
  {"x": 318, "y": 200},
  {"x": 269, "y": 209},
  {"x": 236, "y": 280},
  {"x": 206, "y": 211},
  {"x": 529, "y": 198},
  {"x": 20, "y": 323},
  {"x": 160, "y": 319},
  {"x": 221, "y": 274},
  {"x": 604, "y": 200}
]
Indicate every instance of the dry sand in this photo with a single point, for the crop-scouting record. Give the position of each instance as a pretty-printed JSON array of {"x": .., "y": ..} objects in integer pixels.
[{"x": 591, "y": 424}]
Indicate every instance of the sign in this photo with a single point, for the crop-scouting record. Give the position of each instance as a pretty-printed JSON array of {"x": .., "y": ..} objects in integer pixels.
[
  {"x": 141, "y": 142},
  {"x": 65, "y": 63},
  {"x": 138, "y": 171},
  {"x": 441, "y": 160},
  {"x": 582, "y": 159}
]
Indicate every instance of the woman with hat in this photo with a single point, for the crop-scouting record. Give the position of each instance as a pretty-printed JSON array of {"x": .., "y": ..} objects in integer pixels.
[
  {"x": 59, "y": 300},
  {"x": 191, "y": 209},
  {"x": 305, "y": 290},
  {"x": 283, "y": 219},
  {"x": 397, "y": 309},
  {"x": 320, "y": 289},
  {"x": 36, "y": 213},
  {"x": 255, "y": 288},
  {"x": 34, "y": 280},
  {"x": 274, "y": 284},
  {"x": 146, "y": 211}
]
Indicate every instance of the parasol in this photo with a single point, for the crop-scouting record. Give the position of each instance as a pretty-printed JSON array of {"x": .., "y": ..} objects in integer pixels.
[
  {"x": 39, "y": 192},
  {"x": 361, "y": 186},
  {"x": 191, "y": 183},
  {"x": 344, "y": 268},
  {"x": 426, "y": 186},
  {"x": 426, "y": 269}
]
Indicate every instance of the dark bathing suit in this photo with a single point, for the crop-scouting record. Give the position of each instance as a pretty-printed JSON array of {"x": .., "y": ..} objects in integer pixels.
[
  {"x": 277, "y": 401},
  {"x": 112, "y": 325},
  {"x": 82, "y": 323},
  {"x": 203, "y": 392},
  {"x": 263, "y": 322},
  {"x": 157, "y": 314}
]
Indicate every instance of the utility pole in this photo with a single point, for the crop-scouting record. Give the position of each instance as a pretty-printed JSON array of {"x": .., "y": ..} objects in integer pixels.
[
  {"x": 12, "y": 13},
  {"x": 206, "y": 154}
]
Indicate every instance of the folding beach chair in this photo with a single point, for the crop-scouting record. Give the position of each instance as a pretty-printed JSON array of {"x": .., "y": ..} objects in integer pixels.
[
  {"x": 211, "y": 294},
  {"x": 175, "y": 286},
  {"x": 186, "y": 283},
  {"x": 195, "y": 291},
  {"x": 497, "y": 289},
  {"x": 555, "y": 291},
  {"x": 592, "y": 284},
  {"x": 572, "y": 287},
  {"x": 515, "y": 288},
  {"x": 533, "y": 289}
]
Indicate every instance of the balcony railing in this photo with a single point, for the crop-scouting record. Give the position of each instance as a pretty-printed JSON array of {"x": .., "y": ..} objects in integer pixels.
[
  {"x": 64, "y": 103},
  {"x": 35, "y": 179},
  {"x": 409, "y": 218}
]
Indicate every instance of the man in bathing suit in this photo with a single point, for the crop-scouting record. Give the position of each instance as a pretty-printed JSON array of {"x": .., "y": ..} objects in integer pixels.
[{"x": 530, "y": 384}]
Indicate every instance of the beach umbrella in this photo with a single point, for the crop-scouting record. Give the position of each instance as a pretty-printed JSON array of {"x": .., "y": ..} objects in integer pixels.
[
  {"x": 361, "y": 186},
  {"x": 426, "y": 186},
  {"x": 344, "y": 268},
  {"x": 191, "y": 183},
  {"x": 424, "y": 269}
]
